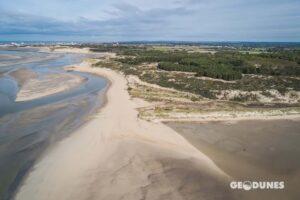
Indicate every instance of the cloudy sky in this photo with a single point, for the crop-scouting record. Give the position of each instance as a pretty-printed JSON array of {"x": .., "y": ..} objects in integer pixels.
[{"x": 136, "y": 20}]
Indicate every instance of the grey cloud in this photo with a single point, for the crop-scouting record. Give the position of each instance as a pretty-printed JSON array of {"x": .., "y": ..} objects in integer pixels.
[
  {"x": 181, "y": 20},
  {"x": 131, "y": 20}
]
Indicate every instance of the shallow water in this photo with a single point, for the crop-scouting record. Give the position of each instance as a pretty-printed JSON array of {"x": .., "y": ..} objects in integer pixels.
[{"x": 28, "y": 128}]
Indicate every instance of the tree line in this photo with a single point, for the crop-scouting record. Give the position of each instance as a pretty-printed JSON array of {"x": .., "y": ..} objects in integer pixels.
[{"x": 221, "y": 65}]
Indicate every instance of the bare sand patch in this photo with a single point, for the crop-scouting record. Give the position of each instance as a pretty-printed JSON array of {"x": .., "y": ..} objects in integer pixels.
[
  {"x": 47, "y": 84},
  {"x": 119, "y": 156},
  {"x": 23, "y": 75},
  {"x": 70, "y": 50}
]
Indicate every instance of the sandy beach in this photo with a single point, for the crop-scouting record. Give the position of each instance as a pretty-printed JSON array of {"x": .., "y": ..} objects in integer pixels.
[{"x": 116, "y": 155}]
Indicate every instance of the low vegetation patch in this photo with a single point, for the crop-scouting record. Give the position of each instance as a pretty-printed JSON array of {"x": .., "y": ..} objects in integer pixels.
[{"x": 247, "y": 70}]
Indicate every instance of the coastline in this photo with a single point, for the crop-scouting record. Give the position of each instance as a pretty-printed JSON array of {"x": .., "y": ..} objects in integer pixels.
[
  {"x": 101, "y": 159},
  {"x": 55, "y": 104}
]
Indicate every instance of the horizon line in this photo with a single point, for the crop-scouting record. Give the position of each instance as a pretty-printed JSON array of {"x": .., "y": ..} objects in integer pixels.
[{"x": 148, "y": 41}]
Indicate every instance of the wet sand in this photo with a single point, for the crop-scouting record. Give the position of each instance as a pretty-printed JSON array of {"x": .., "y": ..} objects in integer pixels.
[
  {"x": 26, "y": 57},
  {"x": 25, "y": 136},
  {"x": 8, "y": 57},
  {"x": 251, "y": 150},
  {"x": 23, "y": 75},
  {"x": 48, "y": 84},
  {"x": 29, "y": 128}
]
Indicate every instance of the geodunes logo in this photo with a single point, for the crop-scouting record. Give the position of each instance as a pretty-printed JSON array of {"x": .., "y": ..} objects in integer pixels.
[{"x": 254, "y": 185}]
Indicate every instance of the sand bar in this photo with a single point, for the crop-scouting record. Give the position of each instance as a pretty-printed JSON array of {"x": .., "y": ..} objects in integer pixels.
[
  {"x": 48, "y": 84},
  {"x": 23, "y": 75}
]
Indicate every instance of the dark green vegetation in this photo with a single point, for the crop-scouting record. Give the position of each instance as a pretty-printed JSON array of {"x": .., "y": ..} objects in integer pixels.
[
  {"x": 277, "y": 69},
  {"x": 221, "y": 65}
]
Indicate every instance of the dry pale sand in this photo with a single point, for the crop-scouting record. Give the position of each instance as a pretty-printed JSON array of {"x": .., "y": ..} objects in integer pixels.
[
  {"x": 71, "y": 50},
  {"x": 46, "y": 85},
  {"x": 119, "y": 156}
]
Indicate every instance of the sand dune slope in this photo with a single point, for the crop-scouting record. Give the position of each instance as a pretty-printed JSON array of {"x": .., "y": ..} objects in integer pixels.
[{"x": 118, "y": 156}]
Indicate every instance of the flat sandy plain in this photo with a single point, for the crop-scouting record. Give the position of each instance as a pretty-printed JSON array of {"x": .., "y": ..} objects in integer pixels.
[{"x": 255, "y": 150}]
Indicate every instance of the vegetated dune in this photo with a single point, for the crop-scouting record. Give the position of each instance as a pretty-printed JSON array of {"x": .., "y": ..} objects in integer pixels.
[{"x": 119, "y": 156}]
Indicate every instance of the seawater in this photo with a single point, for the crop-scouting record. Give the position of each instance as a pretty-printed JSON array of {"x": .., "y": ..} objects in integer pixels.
[{"x": 28, "y": 128}]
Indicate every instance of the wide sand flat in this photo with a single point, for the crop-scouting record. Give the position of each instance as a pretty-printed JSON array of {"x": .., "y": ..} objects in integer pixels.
[
  {"x": 119, "y": 156},
  {"x": 251, "y": 150}
]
